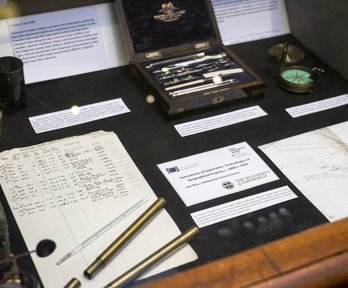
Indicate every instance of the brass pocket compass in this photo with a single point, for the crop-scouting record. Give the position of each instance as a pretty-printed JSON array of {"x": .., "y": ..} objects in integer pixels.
[{"x": 296, "y": 78}]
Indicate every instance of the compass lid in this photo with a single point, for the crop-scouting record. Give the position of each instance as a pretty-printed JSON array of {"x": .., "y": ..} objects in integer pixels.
[{"x": 167, "y": 26}]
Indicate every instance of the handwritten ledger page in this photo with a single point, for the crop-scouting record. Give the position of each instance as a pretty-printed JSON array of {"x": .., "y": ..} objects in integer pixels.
[
  {"x": 68, "y": 189},
  {"x": 317, "y": 163}
]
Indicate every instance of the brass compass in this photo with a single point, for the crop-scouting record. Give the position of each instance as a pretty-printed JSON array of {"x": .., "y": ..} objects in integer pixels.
[
  {"x": 294, "y": 55},
  {"x": 297, "y": 79}
]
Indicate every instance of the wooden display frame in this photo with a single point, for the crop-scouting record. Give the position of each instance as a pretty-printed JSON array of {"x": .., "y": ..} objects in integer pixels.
[{"x": 314, "y": 258}]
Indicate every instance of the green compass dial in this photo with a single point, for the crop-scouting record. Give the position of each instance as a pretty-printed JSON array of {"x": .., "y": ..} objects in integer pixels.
[
  {"x": 297, "y": 76},
  {"x": 299, "y": 79}
]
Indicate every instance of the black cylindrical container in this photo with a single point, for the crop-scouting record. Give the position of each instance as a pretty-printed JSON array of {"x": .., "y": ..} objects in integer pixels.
[{"x": 12, "y": 85}]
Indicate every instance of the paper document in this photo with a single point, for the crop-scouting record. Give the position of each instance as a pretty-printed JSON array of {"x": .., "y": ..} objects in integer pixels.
[
  {"x": 247, "y": 20},
  {"x": 216, "y": 173},
  {"x": 318, "y": 106},
  {"x": 317, "y": 164},
  {"x": 222, "y": 120},
  {"x": 242, "y": 206},
  {"x": 67, "y": 190},
  {"x": 78, "y": 115}
]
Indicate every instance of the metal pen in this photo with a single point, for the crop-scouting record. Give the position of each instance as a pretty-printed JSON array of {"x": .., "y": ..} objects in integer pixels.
[
  {"x": 179, "y": 65},
  {"x": 201, "y": 54},
  {"x": 201, "y": 59},
  {"x": 189, "y": 72},
  {"x": 201, "y": 88},
  {"x": 102, "y": 230},
  {"x": 223, "y": 72},
  {"x": 214, "y": 80},
  {"x": 180, "y": 80},
  {"x": 115, "y": 247},
  {"x": 199, "y": 81},
  {"x": 214, "y": 76},
  {"x": 155, "y": 258}
]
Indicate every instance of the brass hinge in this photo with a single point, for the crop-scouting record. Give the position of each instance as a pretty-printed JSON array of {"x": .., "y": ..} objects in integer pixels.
[{"x": 201, "y": 45}]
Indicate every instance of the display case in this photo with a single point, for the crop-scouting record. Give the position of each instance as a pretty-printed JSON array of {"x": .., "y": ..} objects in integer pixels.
[{"x": 288, "y": 245}]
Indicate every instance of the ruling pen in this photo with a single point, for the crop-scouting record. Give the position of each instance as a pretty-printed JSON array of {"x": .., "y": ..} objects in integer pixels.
[{"x": 102, "y": 230}]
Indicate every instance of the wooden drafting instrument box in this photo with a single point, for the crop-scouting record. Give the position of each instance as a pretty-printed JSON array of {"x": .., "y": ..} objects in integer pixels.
[{"x": 177, "y": 50}]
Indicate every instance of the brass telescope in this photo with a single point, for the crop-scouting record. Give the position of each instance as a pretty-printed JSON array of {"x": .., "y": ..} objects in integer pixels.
[
  {"x": 115, "y": 247},
  {"x": 154, "y": 258}
]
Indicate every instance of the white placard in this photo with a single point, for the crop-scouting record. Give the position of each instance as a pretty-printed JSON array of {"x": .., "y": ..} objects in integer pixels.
[
  {"x": 242, "y": 206},
  {"x": 317, "y": 106},
  {"x": 64, "y": 43},
  {"x": 78, "y": 115},
  {"x": 247, "y": 20},
  {"x": 216, "y": 173},
  {"x": 223, "y": 120}
]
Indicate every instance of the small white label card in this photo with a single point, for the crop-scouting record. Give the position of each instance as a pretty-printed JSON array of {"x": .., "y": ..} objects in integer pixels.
[
  {"x": 318, "y": 106},
  {"x": 216, "y": 173},
  {"x": 214, "y": 122},
  {"x": 78, "y": 115},
  {"x": 242, "y": 206}
]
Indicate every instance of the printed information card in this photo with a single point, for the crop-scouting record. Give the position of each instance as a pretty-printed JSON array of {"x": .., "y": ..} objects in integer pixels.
[
  {"x": 58, "y": 44},
  {"x": 216, "y": 173},
  {"x": 318, "y": 106},
  {"x": 78, "y": 115},
  {"x": 255, "y": 19},
  {"x": 242, "y": 206},
  {"x": 219, "y": 121}
]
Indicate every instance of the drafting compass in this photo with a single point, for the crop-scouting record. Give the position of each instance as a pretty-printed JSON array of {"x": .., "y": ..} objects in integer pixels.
[{"x": 297, "y": 79}]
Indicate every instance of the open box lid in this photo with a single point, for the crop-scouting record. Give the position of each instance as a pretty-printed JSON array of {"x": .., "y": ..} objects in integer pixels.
[{"x": 158, "y": 28}]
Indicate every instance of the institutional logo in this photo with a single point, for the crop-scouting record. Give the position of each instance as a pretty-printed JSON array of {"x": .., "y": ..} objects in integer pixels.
[
  {"x": 172, "y": 170},
  {"x": 228, "y": 185},
  {"x": 169, "y": 13}
]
